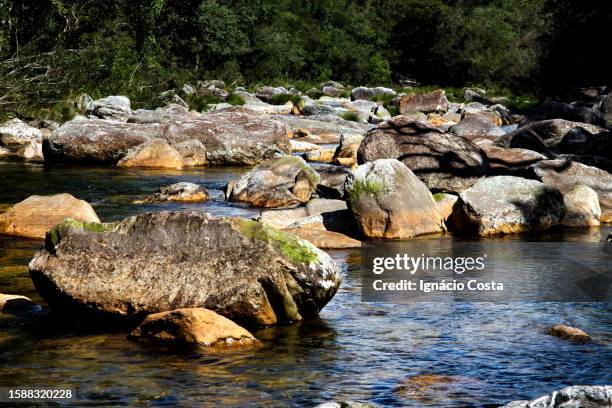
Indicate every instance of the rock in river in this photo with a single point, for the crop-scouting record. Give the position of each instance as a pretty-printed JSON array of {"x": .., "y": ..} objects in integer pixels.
[
  {"x": 192, "y": 327},
  {"x": 155, "y": 153},
  {"x": 577, "y": 396},
  {"x": 389, "y": 201},
  {"x": 445, "y": 162},
  {"x": 282, "y": 182},
  {"x": 428, "y": 102},
  {"x": 506, "y": 205},
  {"x": 35, "y": 215},
  {"x": 233, "y": 136},
  {"x": 581, "y": 207},
  {"x": 156, "y": 262},
  {"x": 178, "y": 192},
  {"x": 569, "y": 333}
]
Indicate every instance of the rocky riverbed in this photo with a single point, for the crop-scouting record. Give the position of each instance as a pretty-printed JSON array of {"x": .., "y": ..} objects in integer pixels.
[{"x": 139, "y": 242}]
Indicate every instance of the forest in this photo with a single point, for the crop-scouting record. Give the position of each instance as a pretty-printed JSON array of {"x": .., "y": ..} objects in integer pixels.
[{"x": 51, "y": 50}]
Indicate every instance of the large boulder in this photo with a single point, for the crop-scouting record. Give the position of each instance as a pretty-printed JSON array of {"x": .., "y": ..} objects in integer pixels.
[
  {"x": 112, "y": 108},
  {"x": 268, "y": 93},
  {"x": 445, "y": 162},
  {"x": 510, "y": 161},
  {"x": 155, "y": 153},
  {"x": 575, "y": 112},
  {"x": 543, "y": 136},
  {"x": 566, "y": 174},
  {"x": 365, "y": 93},
  {"x": 168, "y": 113},
  {"x": 389, "y": 201},
  {"x": 34, "y": 216},
  {"x": 21, "y": 141},
  {"x": 282, "y": 182},
  {"x": 581, "y": 142},
  {"x": 233, "y": 136},
  {"x": 157, "y": 262},
  {"x": 581, "y": 207},
  {"x": 426, "y": 102},
  {"x": 323, "y": 128},
  {"x": 475, "y": 124},
  {"x": 331, "y": 184},
  {"x": 182, "y": 192},
  {"x": 579, "y": 396},
  {"x": 507, "y": 205},
  {"x": 192, "y": 327}
]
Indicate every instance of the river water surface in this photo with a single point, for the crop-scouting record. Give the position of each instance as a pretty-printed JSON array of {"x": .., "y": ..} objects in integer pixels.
[{"x": 494, "y": 353}]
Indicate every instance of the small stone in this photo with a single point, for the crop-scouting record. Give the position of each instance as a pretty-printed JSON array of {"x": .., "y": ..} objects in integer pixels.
[
  {"x": 569, "y": 333},
  {"x": 177, "y": 192}
]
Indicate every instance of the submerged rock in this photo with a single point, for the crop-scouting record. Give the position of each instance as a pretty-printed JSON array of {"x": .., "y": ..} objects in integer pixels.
[
  {"x": 177, "y": 192},
  {"x": 15, "y": 304},
  {"x": 282, "y": 182},
  {"x": 389, "y": 201},
  {"x": 579, "y": 396},
  {"x": 346, "y": 404},
  {"x": 569, "y": 333},
  {"x": 445, "y": 162},
  {"x": 156, "y": 262},
  {"x": 192, "y": 327},
  {"x": 34, "y": 216},
  {"x": 507, "y": 205}
]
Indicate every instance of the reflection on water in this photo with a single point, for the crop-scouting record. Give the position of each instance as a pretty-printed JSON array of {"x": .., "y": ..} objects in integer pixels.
[{"x": 356, "y": 350}]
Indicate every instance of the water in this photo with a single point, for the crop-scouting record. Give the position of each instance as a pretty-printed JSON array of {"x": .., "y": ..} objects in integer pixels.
[{"x": 362, "y": 351}]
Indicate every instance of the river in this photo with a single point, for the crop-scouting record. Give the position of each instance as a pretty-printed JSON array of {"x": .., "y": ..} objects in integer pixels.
[{"x": 355, "y": 350}]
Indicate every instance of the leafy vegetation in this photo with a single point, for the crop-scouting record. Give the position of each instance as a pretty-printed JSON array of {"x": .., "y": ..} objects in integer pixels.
[
  {"x": 352, "y": 116},
  {"x": 53, "y": 50}
]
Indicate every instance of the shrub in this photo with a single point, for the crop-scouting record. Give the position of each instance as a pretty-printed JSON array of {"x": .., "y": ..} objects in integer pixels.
[{"x": 351, "y": 116}]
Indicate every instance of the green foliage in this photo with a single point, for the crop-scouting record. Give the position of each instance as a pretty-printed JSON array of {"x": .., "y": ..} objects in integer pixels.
[
  {"x": 360, "y": 187},
  {"x": 282, "y": 99},
  {"x": 235, "y": 99},
  {"x": 351, "y": 116},
  {"x": 438, "y": 196},
  {"x": 51, "y": 50}
]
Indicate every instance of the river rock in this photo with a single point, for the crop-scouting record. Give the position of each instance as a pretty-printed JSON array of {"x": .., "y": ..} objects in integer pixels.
[
  {"x": 320, "y": 156},
  {"x": 157, "y": 262},
  {"x": 510, "y": 161},
  {"x": 445, "y": 162},
  {"x": 299, "y": 147},
  {"x": 581, "y": 142},
  {"x": 446, "y": 203},
  {"x": 568, "y": 111},
  {"x": 155, "y": 153},
  {"x": 577, "y": 396},
  {"x": 507, "y": 205},
  {"x": 112, "y": 108},
  {"x": 285, "y": 217},
  {"x": 543, "y": 136},
  {"x": 167, "y": 114},
  {"x": 365, "y": 93},
  {"x": 331, "y": 184},
  {"x": 569, "y": 333},
  {"x": 178, "y": 192},
  {"x": 282, "y": 182},
  {"x": 389, "y": 201},
  {"x": 474, "y": 125},
  {"x": 192, "y": 152},
  {"x": 328, "y": 127},
  {"x": 267, "y": 93},
  {"x": 234, "y": 136},
  {"x": 15, "y": 304},
  {"x": 34, "y": 216},
  {"x": 325, "y": 239},
  {"x": 347, "y": 404},
  {"x": 565, "y": 175},
  {"x": 192, "y": 327},
  {"x": 581, "y": 207},
  {"x": 18, "y": 140},
  {"x": 427, "y": 102}
]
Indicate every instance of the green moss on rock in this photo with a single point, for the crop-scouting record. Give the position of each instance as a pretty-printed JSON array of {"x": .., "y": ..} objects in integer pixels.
[
  {"x": 360, "y": 187},
  {"x": 294, "y": 249},
  {"x": 54, "y": 235}
]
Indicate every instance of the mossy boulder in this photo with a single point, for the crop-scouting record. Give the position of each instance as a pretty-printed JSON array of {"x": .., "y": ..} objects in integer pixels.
[
  {"x": 155, "y": 262},
  {"x": 389, "y": 201}
]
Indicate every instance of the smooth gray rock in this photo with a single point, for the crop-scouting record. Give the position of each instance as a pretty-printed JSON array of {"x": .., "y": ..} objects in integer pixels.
[
  {"x": 577, "y": 396},
  {"x": 507, "y": 205},
  {"x": 112, "y": 108}
]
